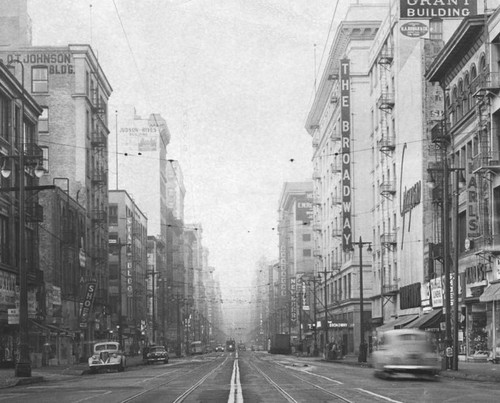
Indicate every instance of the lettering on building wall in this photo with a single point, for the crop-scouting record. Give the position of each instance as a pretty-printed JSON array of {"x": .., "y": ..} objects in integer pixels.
[
  {"x": 56, "y": 62},
  {"x": 408, "y": 198},
  {"x": 472, "y": 212},
  {"x": 345, "y": 121},
  {"x": 426, "y": 9}
]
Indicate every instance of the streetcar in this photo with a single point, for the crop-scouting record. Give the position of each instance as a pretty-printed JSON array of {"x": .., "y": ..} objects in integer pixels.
[{"x": 230, "y": 345}]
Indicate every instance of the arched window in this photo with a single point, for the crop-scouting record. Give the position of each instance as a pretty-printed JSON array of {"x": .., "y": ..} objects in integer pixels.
[
  {"x": 482, "y": 64},
  {"x": 467, "y": 95},
  {"x": 460, "y": 97}
]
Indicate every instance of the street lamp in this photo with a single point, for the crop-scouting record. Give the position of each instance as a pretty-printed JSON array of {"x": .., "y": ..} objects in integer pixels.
[
  {"x": 362, "y": 343},
  {"x": 325, "y": 273},
  {"x": 153, "y": 321},
  {"x": 459, "y": 183},
  {"x": 313, "y": 280}
]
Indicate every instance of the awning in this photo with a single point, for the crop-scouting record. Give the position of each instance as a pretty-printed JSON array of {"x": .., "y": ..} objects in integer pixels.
[
  {"x": 397, "y": 323},
  {"x": 491, "y": 293},
  {"x": 427, "y": 321},
  {"x": 53, "y": 329}
]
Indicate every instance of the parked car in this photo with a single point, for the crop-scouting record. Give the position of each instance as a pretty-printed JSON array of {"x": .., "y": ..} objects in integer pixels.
[
  {"x": 107, "y": 355},
  {"x": 405, "y": 351},
  {"x": 155, "y": 354}
]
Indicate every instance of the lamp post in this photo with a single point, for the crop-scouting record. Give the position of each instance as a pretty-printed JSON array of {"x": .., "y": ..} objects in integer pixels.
[
  {"x": 362, "y": 343},
  {"x": 153, "y": 313},
  {"x": 451, "y": 341}
]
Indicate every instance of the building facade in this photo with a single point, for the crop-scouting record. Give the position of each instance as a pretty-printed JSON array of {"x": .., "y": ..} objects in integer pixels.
[
  {"x": 128, "y": 269},
  {"x": 296, "y": 254},
  {"x": 19, "y": 114}
]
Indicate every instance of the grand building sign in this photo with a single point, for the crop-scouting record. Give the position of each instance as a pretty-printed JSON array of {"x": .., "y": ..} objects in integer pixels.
[
  {"x": 345, "y": 117},
  {"x": 427, "y": 9}
]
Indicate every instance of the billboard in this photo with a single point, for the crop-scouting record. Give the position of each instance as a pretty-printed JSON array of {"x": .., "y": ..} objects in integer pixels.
[{"x": 139, "y": 135}]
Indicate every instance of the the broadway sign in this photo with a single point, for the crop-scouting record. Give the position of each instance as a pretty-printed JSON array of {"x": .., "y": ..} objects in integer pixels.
[
  {"x": 427, "y": 9},
  {"x": 345, "y": 117}
]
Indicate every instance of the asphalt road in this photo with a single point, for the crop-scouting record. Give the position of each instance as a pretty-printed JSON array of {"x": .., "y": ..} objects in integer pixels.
[{"x": 249, "y": 377}]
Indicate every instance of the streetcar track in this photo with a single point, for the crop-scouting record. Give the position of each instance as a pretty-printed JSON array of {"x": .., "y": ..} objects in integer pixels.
[{"x": 187, "y": 392}]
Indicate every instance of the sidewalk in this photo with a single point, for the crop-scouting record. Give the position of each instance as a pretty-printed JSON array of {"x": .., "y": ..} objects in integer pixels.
[
  {"x": 472, "y": 371},
  {"x": 56, "y": 372}
]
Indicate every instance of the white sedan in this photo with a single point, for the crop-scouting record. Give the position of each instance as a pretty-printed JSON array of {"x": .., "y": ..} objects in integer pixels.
[{"x": 107, "y": 355}]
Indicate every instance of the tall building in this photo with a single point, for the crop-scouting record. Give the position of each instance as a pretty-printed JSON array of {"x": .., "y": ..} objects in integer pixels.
[
  {"x": 339, "y": 125},
  {"x": 467, "y": 137},
  {"x": 295, "y": 251},
  {"x": 128, "y": 270},
  {"x": 73, "y": 91},
  {"x": 18, "y": 111}
]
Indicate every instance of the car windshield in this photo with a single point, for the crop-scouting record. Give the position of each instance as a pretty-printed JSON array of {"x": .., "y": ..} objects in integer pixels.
[
  {"x": 102, "y": 347},
  {"x": 157, "y": 349}
]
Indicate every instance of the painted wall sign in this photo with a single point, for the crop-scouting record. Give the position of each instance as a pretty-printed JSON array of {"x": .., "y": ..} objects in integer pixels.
[
  {"x": 408, "y": 198},
  {"x": 345, "y": 121},
  {"x": 414, "y": 29},
  {"x": 427, "y": 9},
  {"x": 56, "y": 62}
]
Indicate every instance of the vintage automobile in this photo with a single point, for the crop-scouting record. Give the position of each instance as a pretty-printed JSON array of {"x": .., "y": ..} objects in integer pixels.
[
  {"x": 155, "y": 354},
  {"x": 219, "y": 348},
  {"x": 107, "y": 355},
  {"x": 405, "y": 351}
]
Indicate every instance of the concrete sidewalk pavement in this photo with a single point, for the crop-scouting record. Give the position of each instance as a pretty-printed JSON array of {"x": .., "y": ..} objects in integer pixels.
[{"x": 55, "y": 372}]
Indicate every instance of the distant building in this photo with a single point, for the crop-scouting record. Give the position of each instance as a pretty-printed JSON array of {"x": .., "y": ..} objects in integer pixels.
[
  {"x": 296, "y": 250},
  {"x": 128, "y": 271}
]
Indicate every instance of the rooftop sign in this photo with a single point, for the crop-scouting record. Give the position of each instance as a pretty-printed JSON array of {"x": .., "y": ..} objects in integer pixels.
[{"x": 427, "y": 9}]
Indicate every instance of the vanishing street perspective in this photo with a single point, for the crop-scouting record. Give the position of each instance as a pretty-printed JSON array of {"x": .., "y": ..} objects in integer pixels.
[{"x": 249, "y": 201}]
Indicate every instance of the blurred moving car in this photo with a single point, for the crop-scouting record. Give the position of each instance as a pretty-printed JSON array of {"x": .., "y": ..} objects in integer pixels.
[
  {"x": 219, "y": 349},
  {"x": 405, "y": 351},
  {"x": 155, "y": 354},
  {"x": 107, "y": 355}
]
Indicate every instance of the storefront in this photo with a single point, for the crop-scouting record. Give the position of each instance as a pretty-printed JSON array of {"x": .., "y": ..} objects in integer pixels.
[{"x": 490, "y": 298}]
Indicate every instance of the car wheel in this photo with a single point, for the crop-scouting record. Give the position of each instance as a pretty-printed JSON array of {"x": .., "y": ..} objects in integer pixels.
[
  {"x": 121, "y": 367},
  {"x": 93, "y": 370},
  {"x": 166, "y": 361}
]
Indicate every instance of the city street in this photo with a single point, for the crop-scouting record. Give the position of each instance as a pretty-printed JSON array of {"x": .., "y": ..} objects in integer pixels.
[{"x": 249, "y": 377}]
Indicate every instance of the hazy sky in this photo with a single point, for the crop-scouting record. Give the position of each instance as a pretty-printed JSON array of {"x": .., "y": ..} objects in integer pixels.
[{"x": 234, "y": 80}]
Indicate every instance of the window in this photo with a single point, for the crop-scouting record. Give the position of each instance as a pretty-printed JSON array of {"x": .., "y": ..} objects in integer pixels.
[
  {"x": 4, "y": 116},
  {"x": 306, "y": 253},
  {"x": 113, "y": 214},
  {"x": 39, "y": 79},
  {"x": 43, "y": 121},
  {"x": 45, "y": 157},
  {"x": 306, "y": 237}
]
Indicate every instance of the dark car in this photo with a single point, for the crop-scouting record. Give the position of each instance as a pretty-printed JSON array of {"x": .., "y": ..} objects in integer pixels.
[{"x": 155, "y": 354}]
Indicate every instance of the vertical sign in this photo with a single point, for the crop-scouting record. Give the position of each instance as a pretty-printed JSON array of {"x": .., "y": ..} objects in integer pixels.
[
  {"x": 293, "y": 300},
  {"x": 128, "y": 277},
  {"x": 87, "y": 304},
  {"x": 472, "y": 204},
  {"x": 283, "y": 273},
  {"x": 345, "y": 117}
]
